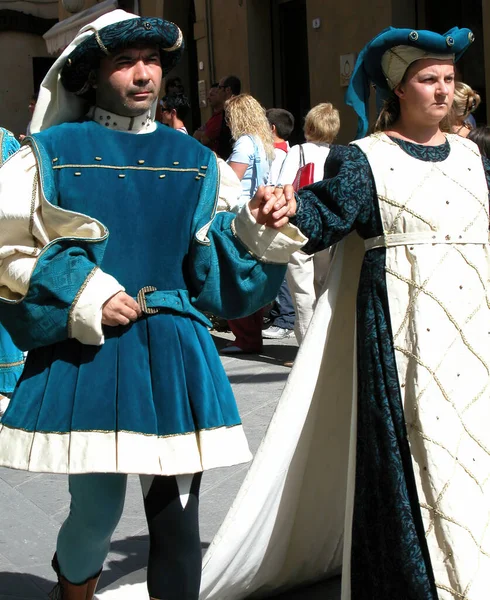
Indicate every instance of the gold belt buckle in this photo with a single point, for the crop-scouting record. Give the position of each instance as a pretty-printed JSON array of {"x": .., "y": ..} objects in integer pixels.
[{"x": 141, "y": 300}]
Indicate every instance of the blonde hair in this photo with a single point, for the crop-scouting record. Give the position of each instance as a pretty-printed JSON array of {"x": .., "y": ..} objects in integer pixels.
[
  {"x": 322, "y": 123},
  {"x": 466, "y": 101},
  {"x": 246, "y": 116}
]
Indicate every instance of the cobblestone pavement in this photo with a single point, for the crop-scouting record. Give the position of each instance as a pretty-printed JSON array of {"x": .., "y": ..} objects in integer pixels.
[{"x": 33, "y": 505}]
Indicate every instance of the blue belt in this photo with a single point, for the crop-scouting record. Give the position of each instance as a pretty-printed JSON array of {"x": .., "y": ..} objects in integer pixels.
[{"x": 152, "y": 301}]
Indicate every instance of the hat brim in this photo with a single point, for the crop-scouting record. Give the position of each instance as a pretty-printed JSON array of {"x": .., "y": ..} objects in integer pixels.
[
  {"x": 151, "y": 31},
  {"x": 454, "y": 42}
]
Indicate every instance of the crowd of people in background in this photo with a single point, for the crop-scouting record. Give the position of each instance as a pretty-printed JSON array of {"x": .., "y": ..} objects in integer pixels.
[{"x": 254, "y": 141}]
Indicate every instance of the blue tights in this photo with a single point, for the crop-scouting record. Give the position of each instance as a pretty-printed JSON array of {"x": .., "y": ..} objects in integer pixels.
[{"x": 97, "y": 501}]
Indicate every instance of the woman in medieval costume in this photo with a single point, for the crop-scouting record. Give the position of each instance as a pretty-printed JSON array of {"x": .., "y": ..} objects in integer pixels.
[
  {"x": 11, "y": 358},
  {"x": 411, "y": 481},
  {"x": 122, "y": 375}
]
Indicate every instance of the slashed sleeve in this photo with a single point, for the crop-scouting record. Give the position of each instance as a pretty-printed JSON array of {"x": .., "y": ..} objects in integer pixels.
[
  {"x": 236, "y": 265},
  {"x": 330, "y": 209},
  {"x": 51, "y": 287}
]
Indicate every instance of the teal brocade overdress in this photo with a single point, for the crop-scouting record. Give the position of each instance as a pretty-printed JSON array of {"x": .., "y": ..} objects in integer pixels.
[
  {"x": 160, "y": 376},
  {"x": 11, "y": 358}
]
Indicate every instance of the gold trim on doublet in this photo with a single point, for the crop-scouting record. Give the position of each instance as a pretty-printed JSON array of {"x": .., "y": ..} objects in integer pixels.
[{"x": 129, "y": 168}]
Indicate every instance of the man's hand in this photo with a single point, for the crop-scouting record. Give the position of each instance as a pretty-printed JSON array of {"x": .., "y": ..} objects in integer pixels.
[
  {"x": 273, "y": 206},
  {"x": 120, "y": 309}
]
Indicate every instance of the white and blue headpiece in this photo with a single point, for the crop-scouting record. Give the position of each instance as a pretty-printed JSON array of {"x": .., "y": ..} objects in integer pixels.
[
  {"x": 385, "y": 59},
  {"x": 61, "y": 93}
]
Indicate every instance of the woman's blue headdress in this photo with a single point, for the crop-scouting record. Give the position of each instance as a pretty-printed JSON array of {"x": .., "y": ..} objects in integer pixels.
[{"x": 368, "y": 69}]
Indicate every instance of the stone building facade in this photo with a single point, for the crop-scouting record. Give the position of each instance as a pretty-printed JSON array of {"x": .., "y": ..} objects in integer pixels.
[{"x": 288, "y": 53}]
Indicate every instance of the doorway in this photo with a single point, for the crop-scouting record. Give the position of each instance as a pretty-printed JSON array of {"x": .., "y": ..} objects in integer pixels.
[
  {"x": 40, "y": 66},
  {"x": 291, "y": 65},
  {"x": 442, "y": 15}
]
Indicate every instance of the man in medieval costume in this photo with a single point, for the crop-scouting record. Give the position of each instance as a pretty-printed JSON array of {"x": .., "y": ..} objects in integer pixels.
[{"x": 111, "y": 249}]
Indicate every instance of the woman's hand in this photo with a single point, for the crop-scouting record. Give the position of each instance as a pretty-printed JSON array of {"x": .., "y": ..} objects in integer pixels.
[
  {"x": 273, "y": 206},
  {"x": 120, "y": 309}
]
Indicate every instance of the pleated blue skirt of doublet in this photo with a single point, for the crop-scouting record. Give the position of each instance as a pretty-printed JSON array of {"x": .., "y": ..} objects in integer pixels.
[
  {"x": 154, "y": 398},
  {"x": 11, "y": 363}
]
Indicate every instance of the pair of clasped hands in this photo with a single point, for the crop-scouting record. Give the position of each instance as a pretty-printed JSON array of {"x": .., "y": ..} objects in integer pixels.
[{"x": 271, "y": 206}]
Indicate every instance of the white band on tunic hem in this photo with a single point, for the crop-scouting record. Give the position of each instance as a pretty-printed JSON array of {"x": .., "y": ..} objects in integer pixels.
[{"x": 78, "y": 452}]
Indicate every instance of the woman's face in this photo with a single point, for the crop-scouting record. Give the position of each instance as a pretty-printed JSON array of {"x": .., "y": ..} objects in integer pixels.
[{"x": 427, "y": 92}]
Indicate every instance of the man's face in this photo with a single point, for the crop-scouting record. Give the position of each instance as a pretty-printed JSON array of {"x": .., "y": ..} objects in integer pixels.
[
  {"x": 223, "y": 92},
  {"x": 127, "y": 82},
  {"x": 214, "y": 97}
]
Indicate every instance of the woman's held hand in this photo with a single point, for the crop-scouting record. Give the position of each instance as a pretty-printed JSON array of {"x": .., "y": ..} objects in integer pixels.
[{"x": 272, "y": 206}]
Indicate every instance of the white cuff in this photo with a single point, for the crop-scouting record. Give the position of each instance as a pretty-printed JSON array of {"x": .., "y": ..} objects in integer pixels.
[
  {"x": 85, "y": 321},
  {"x": 265, "y": 243},
  {"x": 230, "y": 188}
]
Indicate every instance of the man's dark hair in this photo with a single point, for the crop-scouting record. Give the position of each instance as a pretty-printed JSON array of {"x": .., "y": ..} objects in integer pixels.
[
  {"x": 174, "y": 82},
  {"x": 214, "y": 85},
  {"x": 233, "y": 83},
  {"x": 179, "y": 102},
  {"x": 283, "y": 120}
]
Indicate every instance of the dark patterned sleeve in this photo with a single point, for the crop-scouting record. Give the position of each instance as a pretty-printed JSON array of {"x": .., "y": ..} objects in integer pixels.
[{"x": 330, "y": 209}]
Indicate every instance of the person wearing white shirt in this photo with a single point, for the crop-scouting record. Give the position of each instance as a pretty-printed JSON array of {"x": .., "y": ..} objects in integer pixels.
[
  {"x": 282, "y": 315},
  {"x": 282, "y": 125},
  {"x": 306, "y": 274}
]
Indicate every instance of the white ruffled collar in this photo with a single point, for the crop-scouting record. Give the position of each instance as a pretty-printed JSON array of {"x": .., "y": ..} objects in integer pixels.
[{"x": 140, "y": 124}]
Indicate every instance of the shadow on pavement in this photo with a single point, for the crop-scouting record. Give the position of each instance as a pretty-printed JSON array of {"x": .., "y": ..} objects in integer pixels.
[
  {"x": 324, "y": 590},
  {"x": 273, "y": 354},
  {"x": 259, "y": 377},
  {"x": 133, "y": 553},
  {"x": 134, "y": 557},
  {"x": 23, "y": 586}
]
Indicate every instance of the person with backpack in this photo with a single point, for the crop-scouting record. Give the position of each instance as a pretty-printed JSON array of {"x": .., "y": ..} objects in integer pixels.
[{"x": 250, "y": 159}]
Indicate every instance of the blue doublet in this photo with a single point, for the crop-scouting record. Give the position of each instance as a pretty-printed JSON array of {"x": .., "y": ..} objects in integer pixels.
[
  {"x": 11, "y": 358},
  {"x": 158, "y": 380}
]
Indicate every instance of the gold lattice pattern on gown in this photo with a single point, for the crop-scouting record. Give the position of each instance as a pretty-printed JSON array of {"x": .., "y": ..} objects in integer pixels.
[
  {"x": 459, "y": 324},
  {"x": 435, "y": 510}
]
